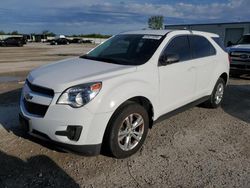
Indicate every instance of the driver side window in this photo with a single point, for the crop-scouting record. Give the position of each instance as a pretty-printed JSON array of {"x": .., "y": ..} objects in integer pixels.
[{"x": 179, "y": 46}]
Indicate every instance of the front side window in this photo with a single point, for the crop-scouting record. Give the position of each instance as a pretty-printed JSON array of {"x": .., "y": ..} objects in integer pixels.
[
  {"x": 201, "y": 47},
  {"x": 126, "y": 49},
  {"x": 179, "y": 46}
]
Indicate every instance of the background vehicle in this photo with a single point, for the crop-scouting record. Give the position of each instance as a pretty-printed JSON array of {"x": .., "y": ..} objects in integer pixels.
[
  {"x": 76, "y": 41},
  {"x": 60, "y": 41},
  {"x": 240, "y": 56},
  {"x": 80, "y": 41},
  {"x": 110, "y": 97},
  {"x": 13, "y": 41}
]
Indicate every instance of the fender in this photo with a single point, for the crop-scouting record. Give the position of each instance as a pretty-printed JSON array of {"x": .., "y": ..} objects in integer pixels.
[{"x": 122, "y": 90}]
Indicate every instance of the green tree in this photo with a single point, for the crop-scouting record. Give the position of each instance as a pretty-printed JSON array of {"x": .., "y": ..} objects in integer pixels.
[
  {"x": 48, "y": 33},
  {"x": 2, "y": 33},
  {"x": 155, "y": 22}
]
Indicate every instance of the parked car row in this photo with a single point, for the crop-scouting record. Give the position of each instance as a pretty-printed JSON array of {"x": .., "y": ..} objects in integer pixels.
[
  {"x": 13, "y": 41},
  {"x": 65, "y": 41},
  {"x": 20, "y": 41}
]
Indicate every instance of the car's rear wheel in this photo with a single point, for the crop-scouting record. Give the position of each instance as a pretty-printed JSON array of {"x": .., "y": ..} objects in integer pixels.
[
  {"x": 127, "y": 130},
  {"x": 216, "y": 98}
]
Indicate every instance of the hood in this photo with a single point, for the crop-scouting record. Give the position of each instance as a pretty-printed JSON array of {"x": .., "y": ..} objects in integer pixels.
[
  {"x": 67, "y": 73},
  {"x": 240, "y": 47}
]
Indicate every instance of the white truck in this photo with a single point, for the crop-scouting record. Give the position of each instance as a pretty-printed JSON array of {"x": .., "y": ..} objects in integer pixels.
[{"x": 110, "y": 97}]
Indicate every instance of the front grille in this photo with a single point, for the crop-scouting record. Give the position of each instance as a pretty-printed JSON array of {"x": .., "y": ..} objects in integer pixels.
[
  {"x": 36, "y": 109},
  {"x": 39, "y": 89},
  {"x": 240, "y": 56}
]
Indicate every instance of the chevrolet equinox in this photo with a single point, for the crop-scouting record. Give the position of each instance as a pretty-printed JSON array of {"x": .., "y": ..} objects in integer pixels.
[{"x": 111, "y": 96}]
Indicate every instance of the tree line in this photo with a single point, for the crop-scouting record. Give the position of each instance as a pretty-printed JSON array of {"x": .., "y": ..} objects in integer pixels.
[{"x": 154, "y": 22}]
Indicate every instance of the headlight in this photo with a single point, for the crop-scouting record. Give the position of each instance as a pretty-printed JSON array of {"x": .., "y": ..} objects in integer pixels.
[{"x": 78, "y": 96}]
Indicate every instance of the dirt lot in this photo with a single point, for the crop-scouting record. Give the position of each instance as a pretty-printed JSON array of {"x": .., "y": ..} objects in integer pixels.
[{"x": 197, "y": 148}]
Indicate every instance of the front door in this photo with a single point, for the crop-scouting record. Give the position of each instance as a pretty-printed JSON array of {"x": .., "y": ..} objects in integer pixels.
[{"x": 177, "y": 80}]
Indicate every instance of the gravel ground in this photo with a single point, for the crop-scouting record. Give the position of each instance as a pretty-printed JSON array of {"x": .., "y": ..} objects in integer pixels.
[{"x": 197, "y": 148}]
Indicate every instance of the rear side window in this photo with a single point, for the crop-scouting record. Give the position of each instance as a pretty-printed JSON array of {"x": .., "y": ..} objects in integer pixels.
[
  {"x": 201, "y": 47},
  {"x": 179, "y": 46},
  {"x": 219, "y": 42}
]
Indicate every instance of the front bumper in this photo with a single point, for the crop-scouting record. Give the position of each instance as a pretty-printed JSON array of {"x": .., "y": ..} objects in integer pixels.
[
  {"x": 90, "y": 150},
  {"x": 58, "y": 118},
  {"x": 239, "y": 71}
]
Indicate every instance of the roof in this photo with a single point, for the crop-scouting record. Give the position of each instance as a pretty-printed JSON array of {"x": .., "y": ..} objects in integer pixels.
[
  {"x": 223, "y": 23},
  {"x": 148, "y": 32},
  {"x": 164, "y": 32}
]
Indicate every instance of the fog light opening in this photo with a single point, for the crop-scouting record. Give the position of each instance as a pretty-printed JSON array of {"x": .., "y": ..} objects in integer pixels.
[{"x": 73, "y": 132}]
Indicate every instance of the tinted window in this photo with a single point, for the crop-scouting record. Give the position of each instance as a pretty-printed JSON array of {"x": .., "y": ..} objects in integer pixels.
[
  {"x": 179, "y": 46},
  {"x": 219, "y": 42},
  {"x": 126, "y": 49},
  {"x": 201, "y": 47}
]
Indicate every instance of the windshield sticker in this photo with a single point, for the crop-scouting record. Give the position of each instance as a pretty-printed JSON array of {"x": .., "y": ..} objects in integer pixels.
[{"x": 152, "y": 37}]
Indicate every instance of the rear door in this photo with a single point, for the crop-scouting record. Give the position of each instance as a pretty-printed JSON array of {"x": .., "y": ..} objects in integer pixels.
[{"x": 204, "y": 58}]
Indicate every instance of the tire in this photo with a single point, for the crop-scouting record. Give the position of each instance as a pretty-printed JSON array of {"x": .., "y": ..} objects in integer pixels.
[
  {"x": 19, "y": 44},
  {"x": 216, "y": 98},
  {"x": 121, "y": 124}
]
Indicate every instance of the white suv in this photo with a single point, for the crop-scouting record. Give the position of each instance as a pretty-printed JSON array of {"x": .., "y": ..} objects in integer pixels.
[{"x": 110, "y": 97}]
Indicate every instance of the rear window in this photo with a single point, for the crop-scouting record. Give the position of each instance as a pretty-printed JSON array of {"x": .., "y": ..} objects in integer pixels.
[
  {"x": 219, "y": 42},
  {"x": 201, "y": 47}
]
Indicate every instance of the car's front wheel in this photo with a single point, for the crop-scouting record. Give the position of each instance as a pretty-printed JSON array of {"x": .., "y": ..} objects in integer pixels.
[{"x": 127, "y": 130}]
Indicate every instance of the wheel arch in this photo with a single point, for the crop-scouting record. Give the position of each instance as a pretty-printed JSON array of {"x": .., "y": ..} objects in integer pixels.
[
  {"x": 143, "y": 101},
  {"x": 224, "y": 76}
]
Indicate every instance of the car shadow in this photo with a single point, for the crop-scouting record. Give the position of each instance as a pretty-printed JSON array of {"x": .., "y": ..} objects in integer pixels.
[
  {"x": 237, "y": 102},
  {"x": 37, "y": 171}
]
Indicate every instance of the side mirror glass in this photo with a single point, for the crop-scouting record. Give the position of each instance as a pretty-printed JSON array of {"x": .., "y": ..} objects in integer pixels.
[{"x": 169, "y": 59}]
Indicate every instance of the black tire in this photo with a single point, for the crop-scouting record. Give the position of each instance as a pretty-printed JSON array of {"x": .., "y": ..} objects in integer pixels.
[
  {"x": 117, "y": 123},
  {"x": 212, "y": 101},
  {"x": 18, "y": 44}
]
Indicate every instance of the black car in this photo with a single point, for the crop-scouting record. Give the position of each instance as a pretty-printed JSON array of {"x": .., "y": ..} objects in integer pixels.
[
  {"x": 13, "y": 41},
  {"x": 60, "y": 41},
  {"x": 76, "y": 41}
]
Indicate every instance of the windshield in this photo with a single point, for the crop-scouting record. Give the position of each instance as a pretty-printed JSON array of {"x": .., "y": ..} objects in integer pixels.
[
  {"x": 127, "y": 49},
  {"x": 244, "y": 40}
]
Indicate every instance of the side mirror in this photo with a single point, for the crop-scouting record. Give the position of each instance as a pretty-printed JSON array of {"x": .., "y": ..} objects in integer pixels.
[{"x": 169, "y": 59}]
